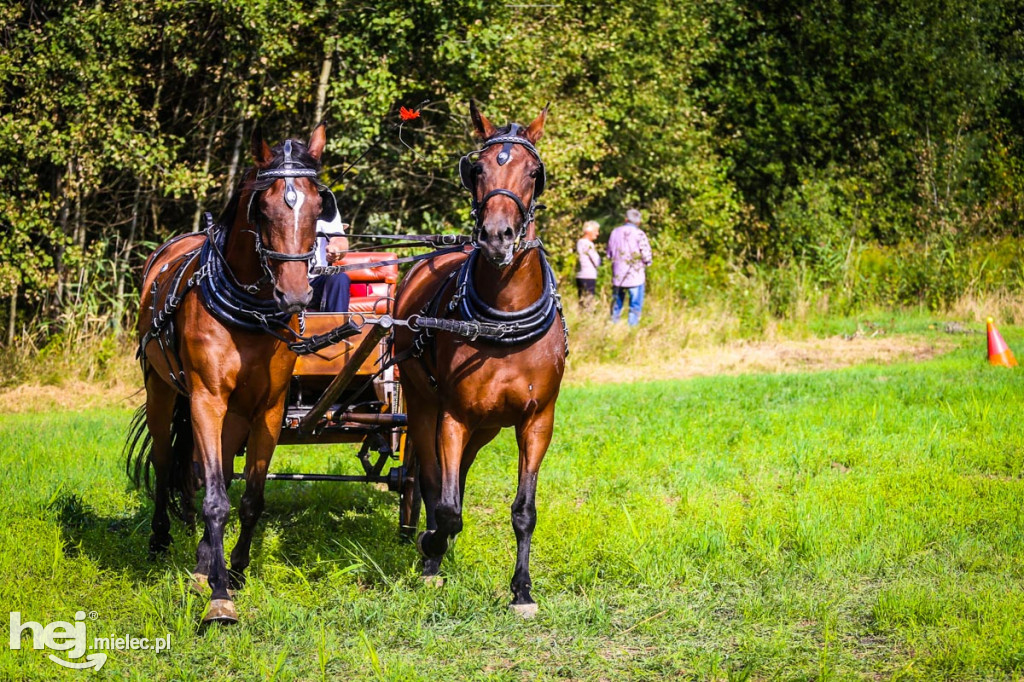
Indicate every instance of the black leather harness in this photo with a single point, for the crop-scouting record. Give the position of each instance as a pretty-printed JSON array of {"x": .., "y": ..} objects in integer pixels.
[
  {"x": 231, "y": 302},
  {"x": 471, "y": 317}
]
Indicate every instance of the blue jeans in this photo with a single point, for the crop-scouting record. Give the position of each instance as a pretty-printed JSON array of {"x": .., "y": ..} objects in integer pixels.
[
  {"x": 636, "y": 302},
  {"x": 330, "y": 293}
]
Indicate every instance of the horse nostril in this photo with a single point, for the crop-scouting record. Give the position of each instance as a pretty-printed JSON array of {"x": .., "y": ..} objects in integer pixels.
[{"x": 508, "y": 232}]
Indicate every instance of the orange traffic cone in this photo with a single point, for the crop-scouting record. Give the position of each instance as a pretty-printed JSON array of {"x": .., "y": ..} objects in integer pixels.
[{"x": 998, "y": 352}]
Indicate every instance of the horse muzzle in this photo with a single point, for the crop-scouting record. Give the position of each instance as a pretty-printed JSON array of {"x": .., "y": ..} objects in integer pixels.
[
  {"x": 498, "y": 252},
  {"x": 499, "y": 259},
  {"x": 291, "y": 303}
]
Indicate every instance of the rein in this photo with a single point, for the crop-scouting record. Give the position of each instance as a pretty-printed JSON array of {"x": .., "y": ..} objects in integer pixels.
[
  {"x": 338, "y": 269},
  {"x": 236, "y": 306},
  {"x": 478, "y": 319},
  {"x": 231, "y": 303}
]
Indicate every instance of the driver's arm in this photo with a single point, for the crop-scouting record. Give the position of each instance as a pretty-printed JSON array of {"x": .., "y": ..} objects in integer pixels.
[{"x": 336, "y": 248}]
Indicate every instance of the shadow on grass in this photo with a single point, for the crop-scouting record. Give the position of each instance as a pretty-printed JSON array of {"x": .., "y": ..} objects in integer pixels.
[{"x": 304, "y": 525}]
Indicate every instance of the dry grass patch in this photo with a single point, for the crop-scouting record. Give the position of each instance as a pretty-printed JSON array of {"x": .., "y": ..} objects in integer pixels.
[
  {"x": 742, "y": 357},
  {"x": 70, "y": 395}
]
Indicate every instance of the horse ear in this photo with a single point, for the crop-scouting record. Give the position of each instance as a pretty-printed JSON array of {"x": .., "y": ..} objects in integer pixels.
[
  {"x": 536, "y": 128},
  {"x": 484, "y": 128},
  {"x": 317, "y": 141},
  {"x": 261, "y": 154}
]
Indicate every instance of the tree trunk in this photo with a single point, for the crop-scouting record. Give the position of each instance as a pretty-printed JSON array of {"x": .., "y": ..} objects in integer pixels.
[
  {"x": 12, "y": 318},
  {"x": 126, "y": 268},
  {"x": 65, "y": 216},
  {"x": 79, "y": 226},
  {"x": 321, "y": 91},
  {"x": 154, "y": 215},
  {"x": 236, "y": 157},
  {"x": 201, "y": 198},
  {"x": 206, "y": 170}
]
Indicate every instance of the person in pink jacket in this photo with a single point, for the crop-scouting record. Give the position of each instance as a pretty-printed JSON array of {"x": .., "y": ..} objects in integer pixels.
[
  {"x": 630, "y": 254},
  {"x": 588, "y": 261}
]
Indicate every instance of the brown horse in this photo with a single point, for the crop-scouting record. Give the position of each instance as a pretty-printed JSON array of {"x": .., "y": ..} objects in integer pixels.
[
  {"x": 217, "y": 312},
  {"x": 503, "y": 365}
]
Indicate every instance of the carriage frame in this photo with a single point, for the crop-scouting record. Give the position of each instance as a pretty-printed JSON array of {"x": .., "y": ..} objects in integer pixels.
[{"x": 349, "y": 392}]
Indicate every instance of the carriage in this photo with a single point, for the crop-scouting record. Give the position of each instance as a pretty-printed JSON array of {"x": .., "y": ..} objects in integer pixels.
[{"x": 349, "y": 392}]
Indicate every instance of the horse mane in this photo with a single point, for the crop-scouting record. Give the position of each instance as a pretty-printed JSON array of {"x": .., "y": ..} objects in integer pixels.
[{"x": 300, "y": 155}]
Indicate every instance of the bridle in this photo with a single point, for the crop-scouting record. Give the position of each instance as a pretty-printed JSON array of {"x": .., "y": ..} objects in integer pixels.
[
  {"x": 467, "y": 174},
  {"x": 289, "y": 170}
]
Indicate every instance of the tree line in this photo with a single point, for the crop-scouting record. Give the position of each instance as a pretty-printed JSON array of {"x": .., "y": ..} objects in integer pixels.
[{"x": 754, "y": 135}]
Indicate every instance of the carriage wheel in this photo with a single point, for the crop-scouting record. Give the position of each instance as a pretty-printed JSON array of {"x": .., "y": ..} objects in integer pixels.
[{"x": 409, "y": 501}]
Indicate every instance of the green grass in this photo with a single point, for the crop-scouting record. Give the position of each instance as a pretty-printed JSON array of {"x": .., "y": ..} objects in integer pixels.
[{"x": 858, "y": 524}]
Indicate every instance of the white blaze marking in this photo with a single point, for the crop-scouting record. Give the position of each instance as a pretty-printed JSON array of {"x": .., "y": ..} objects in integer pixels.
[{"x": 300, "y": 198}]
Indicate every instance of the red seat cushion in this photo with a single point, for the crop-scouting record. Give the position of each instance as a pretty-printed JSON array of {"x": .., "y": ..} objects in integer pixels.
[{"x": 357, "y": 289}]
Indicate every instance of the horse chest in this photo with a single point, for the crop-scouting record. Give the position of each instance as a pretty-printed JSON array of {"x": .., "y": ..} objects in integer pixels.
[{"x": 502, "y": 391}]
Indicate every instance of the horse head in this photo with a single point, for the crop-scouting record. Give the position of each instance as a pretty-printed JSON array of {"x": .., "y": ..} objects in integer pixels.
[
  {"x": 284, "y": 204},
  {"x": 505, "y": 177}
]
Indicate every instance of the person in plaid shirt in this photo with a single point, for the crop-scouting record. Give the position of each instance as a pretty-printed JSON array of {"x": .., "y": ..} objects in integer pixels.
[{"x": 630, "y": 254}]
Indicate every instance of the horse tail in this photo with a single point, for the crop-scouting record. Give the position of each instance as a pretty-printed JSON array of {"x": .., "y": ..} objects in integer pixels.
[
  {"x": 137, "y": 449},
  {"x": 138, "y": 452}
]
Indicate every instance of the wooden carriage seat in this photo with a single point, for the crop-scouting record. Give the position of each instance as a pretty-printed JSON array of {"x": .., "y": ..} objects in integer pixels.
[{"x": 372, "y": 292}]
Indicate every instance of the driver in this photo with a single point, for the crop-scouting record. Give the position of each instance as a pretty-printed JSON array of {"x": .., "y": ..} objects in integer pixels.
[{"x": 330, "y": 292}]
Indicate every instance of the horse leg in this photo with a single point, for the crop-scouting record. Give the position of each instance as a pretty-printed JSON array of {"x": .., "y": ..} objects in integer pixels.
[
  {"x": 262, "y": 441},
  {"x": 476, "y": 442},
  {"x": 453, "y": 437},
  {"x": 533, "y": 438},
  {"x": 208, "y": 414},
  {"x": 235, "y": 431},
  {"x": 159, "y": 411},
  {"x": 423, "y": 432}
]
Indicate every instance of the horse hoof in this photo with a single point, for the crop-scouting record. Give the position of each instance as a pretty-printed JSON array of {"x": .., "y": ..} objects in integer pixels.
[
  {"x": 419, "y": 543},
  {"x": 200, "y": 583},
  {"x": 159, "y": 547},
  {"x": 435, "y": 581},
  {"x": 524, "y": 611},
  {"x": 221, "y": 611}
]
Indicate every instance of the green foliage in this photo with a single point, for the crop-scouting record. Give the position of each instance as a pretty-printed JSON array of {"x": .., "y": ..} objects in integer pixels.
[
  {"x": 792, "y": 133},
  {"x": 910, "y": 102}
]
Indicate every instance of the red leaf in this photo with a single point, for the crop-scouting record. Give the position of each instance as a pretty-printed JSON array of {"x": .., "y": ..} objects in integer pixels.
[{"x": 408, "y": 114}]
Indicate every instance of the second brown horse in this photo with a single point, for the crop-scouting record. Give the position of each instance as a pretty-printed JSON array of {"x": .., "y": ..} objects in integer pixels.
[{"x": 461, "y": 391}]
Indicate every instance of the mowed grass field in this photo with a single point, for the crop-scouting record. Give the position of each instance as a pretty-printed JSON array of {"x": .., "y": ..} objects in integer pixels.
[{"x": 865, "y": 523}]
